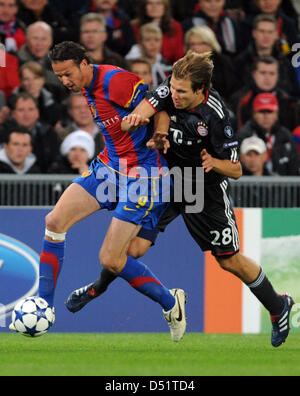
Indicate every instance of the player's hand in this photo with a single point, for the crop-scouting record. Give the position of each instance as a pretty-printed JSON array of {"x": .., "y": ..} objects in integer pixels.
[
  {"x": 207, "y": 161},
  {"x": 133, "y": 121},
  {"x": 159, "y": 141}
]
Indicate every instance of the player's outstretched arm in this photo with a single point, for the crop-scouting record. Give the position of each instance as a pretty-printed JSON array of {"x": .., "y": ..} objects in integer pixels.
[
  {"x": 224, "y": 167},
  {"x": 139, "y": 117}
]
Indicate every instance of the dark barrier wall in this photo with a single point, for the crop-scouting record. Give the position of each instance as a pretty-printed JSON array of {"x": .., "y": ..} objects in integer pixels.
[{"x": 176, "y": 259}]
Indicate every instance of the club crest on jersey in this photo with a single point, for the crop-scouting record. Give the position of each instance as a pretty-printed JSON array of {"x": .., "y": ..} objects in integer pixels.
[
  {"x": 93, "y": 110},
  {"x": 202, "y": 129},
  {"x": 163, "y": 91},
  {"x": 228, "y": 131},
  {"x": 86, "y": 174}
]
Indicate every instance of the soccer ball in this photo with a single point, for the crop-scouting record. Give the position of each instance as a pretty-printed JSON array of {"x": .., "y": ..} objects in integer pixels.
[{"x": 32, "y": 317}]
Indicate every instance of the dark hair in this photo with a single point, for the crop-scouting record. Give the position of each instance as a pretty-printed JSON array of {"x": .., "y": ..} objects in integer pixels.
[
  {"x": 144, "y": 61},
  {"x": 166, "y": 20},
  {"x": 264, "y": 18},
  {"x": 68, "y": 50},
  {"x": 24, "y": 96},
  {"x": 269, "y": 60},
  {"x": 14, "y": 127}
]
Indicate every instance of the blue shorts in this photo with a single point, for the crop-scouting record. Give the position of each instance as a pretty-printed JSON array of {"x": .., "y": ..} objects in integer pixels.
[{"x": 138, "y": 200}]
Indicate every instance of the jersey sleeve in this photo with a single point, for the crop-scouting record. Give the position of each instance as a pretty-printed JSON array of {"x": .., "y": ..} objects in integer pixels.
[
  {"x": 124, "y": 89},
  {"x": 160, "y": 98},
  {"x": 224, "y": 139}
]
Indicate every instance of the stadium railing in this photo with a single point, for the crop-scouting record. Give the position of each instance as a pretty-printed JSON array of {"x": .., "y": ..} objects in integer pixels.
[{"x": 45, "y": 190}]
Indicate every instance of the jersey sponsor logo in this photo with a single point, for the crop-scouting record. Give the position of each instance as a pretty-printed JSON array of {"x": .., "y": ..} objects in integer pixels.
[
  {"x": 177, "y": 135},
  {"x": 228, "y": 132},
  {"x": 163, "y": 91}
]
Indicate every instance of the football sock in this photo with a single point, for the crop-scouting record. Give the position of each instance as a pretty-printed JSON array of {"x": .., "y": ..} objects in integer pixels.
[
  {"x": 141, "y": 278},
  {"x": 100, "y": 285},
  {"x": 264, "y": 291},
  {"x": 51, "y": 262}
]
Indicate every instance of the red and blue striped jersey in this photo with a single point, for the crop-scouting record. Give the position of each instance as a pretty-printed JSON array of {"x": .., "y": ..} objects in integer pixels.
[{"x": 112, "y": 95}]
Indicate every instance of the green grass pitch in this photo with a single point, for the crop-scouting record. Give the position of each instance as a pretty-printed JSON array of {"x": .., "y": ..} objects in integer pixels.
[{"x": 147, "y": 355}]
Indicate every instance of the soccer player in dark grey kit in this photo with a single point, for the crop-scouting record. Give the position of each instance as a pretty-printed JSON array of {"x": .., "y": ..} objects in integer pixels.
[{"x": 200, "y": 135}]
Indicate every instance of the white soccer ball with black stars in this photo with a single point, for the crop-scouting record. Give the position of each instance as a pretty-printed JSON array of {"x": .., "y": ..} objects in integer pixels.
[{"x": 32, "y": 317}]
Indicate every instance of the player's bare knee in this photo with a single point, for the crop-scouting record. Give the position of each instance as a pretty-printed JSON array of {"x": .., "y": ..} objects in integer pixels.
[
  {"x": 137, "y": 251},
  {"x": 138, "y": 248},
  {"x": 227, "y": 264},
  {"x": 109, "y": 262},
  {"x": 53, "y": 223}
]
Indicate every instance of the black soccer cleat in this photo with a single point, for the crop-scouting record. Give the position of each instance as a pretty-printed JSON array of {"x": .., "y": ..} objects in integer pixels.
[
  {"x": 78, "y": 299},
  {"x": 281, "y": 323}
]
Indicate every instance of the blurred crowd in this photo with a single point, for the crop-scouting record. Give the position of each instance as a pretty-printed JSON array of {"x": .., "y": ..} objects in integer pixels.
[{"x": 255, "y": 46}]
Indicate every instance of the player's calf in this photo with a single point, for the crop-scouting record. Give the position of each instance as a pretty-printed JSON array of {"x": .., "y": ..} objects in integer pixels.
[{"x": 138, "y": 247}]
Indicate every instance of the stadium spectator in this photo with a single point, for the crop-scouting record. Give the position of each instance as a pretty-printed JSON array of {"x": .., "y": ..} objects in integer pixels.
[
  {"x": 81, "y": 119},
  {"x": 33, "y": 81},
  {"x": 265, "y": 43},
  {"x": 202, "y": 39},
  {"x": 39, "y": 41},
  {"x": 120, "y": 34},
  {"x": 211, "y": 13},
  {"x": 143, "y": 69},
  {"x": 159, "y": 12},
  {"x": 254, "y": 157},
  {"x": 287, "y": 27},
  {"x": 282, "y": 153},
  {"x": 9, "y": 75},
  {"x": 31, "y": 11},
  {"x": 150, "y": 40},
  {"x": 16, "y": 155},
  {"x": 11, "y": 28},
  {"x": 77, "y": 151},
  {"x": 265, "y": 78},
  {"x": 93, "y": 36},
  {"x": 45, "y": 141}
]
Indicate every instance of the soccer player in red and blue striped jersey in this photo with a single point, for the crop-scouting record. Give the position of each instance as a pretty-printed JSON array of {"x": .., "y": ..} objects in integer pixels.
[{"x": 126, "y": 177}]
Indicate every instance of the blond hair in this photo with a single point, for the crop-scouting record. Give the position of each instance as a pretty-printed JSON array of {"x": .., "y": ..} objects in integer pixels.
[
  {"x": 35, "y": 68},
  {"x": 150, "y": 29},
  {"x": 206, "y": 35},
  {"x": 197, "y": 68},
  {"x": 93, "y": 17}
]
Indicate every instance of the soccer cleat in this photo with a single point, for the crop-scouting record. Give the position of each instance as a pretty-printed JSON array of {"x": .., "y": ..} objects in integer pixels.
[
  {"x": 176, "y": 316},
  {"x": 78, "y": 299},
  {"x": 281, "y": 323}
]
